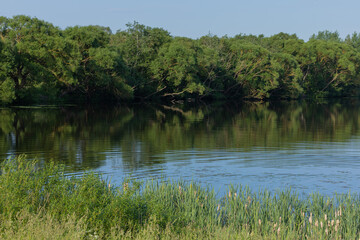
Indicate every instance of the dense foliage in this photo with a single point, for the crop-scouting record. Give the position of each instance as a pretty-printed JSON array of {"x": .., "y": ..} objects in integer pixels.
[
  {"x": 39, "y": 202},
  {"x": 40, "y": 63}
]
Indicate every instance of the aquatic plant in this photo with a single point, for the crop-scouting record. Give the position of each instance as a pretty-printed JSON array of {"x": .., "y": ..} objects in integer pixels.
[{"x": 38, "y": 201}]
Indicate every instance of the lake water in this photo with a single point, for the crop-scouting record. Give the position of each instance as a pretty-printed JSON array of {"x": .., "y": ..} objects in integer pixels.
[{"x": 310, "y": 147}]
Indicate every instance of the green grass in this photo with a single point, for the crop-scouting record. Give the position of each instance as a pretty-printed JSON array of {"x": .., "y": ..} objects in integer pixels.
[{"x": 39, "y": 202}]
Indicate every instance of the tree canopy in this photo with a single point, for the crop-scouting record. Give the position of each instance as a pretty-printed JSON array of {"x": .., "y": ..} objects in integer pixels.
[{"x": 41, "y": 63}]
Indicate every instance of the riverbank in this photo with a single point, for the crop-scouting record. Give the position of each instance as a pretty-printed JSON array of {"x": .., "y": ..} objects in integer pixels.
[{"x": 38, "y": 201}]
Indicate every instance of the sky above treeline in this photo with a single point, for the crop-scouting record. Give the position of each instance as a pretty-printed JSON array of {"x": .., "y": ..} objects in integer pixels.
[{"x": 196, "y": 18}]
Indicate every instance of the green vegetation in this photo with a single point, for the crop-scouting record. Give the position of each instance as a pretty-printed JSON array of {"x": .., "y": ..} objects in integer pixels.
[
  {"x": 41, "y": 63},
  {"x": 38, "y": 201}
]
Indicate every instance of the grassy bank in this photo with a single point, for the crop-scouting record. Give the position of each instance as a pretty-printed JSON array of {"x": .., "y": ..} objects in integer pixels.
[{"x": 39, "y": 202}]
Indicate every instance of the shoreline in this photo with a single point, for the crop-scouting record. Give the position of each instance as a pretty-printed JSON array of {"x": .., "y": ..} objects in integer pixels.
[{"x": 34, "y": 194}]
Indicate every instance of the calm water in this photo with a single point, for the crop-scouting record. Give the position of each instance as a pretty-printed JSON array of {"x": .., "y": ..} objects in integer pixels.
[{"x": 306, "y": 146}]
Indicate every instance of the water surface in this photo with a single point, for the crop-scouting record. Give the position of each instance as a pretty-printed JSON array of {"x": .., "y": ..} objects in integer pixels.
[{"x": 306, "y": 146}]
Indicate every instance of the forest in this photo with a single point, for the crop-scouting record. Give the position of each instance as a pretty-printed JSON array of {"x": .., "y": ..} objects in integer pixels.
[{"x": 41, "y": 63}]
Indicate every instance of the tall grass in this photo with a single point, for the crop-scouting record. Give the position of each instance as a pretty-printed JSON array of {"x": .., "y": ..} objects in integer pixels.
[{"x": 40, "y": 202}]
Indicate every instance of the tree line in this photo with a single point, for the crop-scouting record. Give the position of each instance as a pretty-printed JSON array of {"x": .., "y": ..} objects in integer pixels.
[{"x": 41, "y": 63}]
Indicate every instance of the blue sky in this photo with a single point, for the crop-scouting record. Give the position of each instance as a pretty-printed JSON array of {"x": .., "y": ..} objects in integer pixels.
[{"x": 195, "y": 18}]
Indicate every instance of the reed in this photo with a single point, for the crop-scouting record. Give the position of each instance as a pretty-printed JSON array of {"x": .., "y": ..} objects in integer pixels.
[{"x": 39, "y": 201}]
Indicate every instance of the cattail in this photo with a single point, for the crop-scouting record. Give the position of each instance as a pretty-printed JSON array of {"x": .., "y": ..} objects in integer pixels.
[
  {"x": 316, "y": 223},
  {"x": 235, "y": 195},
  {"x": 321, "y": 224},
  {"x": 279, "y": 220},
  {"x": 337, "y": 222},
  {"x": 218, "y": 208},
  {"x": 340, "y": 212},
  {"x": 326, "y": 231},
  {"x": 336, "y": 228},
  {"x": 332, "y": 222},
  {"x": 310, "y": 219},
  {"x": 335, "y": 214},
  {"x": 229, "y": 194},
  {"x": 278, "y": 231},
  {"x": 325, "y": 217},
  {"x": 194, "y": 193},
  {"x": 329, "y": 223},
  {"x": 259, "y": 222}
]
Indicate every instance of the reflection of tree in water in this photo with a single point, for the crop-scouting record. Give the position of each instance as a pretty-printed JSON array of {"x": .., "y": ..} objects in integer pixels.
[
  {"x": 72, "y": 136},
  {"x": 85, "y": 137},
  {"x": 235, "y": 126}
]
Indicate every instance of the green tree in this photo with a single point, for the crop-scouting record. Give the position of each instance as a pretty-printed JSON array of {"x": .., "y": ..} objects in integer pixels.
[
  {"x": 7, "y": 86},
  {"x": 254, "y": 71},
  {"x": 353, "y": 40},
  {"x": 278, "y": 42},
  {"x": 99, "y": 67},
  {"x": 327, "y": 36},
  {"x": 139, "y": 46},
  {"x": 257, "y": 40},
  {"x": 290, "y": 76},
  {"x": 32, "y": 54},
  {"x": 175, "y": 69},
  {"x": 214, "y": 65},
  {"x": 330, "y": 68}
]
